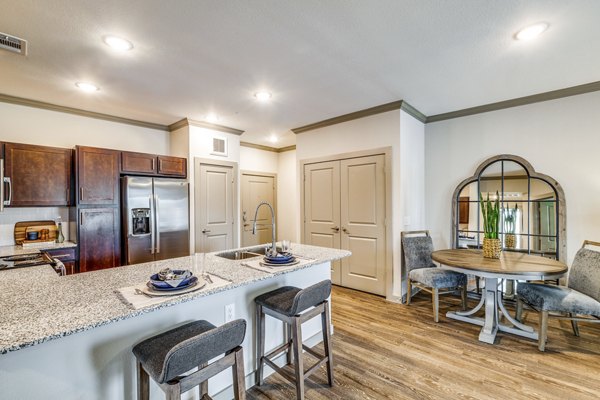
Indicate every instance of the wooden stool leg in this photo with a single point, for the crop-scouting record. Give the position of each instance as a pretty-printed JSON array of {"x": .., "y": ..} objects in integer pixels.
[
  {"x": 298, "y": 359},
  {"x": 173, "y": 392},
  {"x": 260, "y": 345},
  {"x": 574, "y": 325},
  {"x": 463, "y": 297},
  {"x": 204, "y": 385},
  {"x": 239, "y": 377},
  {"x": 288, "y": 340},
  {"x": 543, "y": 334},
  {"x": 436, "y": 304},
  {"x": 519, "y": 311},
  {"x": 408, "y": 291},
  {"x": 143, "y": 383},
  {"x": 327, "y": 342}
]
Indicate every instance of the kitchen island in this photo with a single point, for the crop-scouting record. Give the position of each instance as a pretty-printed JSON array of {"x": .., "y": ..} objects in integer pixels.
[{"x": 70, "y": 337}]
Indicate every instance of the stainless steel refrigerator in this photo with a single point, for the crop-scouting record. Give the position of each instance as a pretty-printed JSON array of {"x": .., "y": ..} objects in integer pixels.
[{"x": 155, "y": 215}]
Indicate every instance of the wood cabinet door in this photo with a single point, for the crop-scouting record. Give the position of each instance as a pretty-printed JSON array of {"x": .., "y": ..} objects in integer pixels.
[
  {"x": 39, "y": 175},
  {"x": 97, "y": 176},
  {"x": 140, "y": 163},
  {"x": 174, "y": 166},
  {"x": 99, "y": 241}
]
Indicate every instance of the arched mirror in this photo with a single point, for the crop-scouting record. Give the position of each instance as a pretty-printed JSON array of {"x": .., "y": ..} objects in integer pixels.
[{"x": 532, "y": 208}]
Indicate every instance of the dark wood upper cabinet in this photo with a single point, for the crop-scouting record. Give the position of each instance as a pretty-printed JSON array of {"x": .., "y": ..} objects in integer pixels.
[
  {"x": 97, "y": 176},
  {"x": 138, "y": 163},
  {"x": 39, "y": 175},
  {"x": 152, "y": 164},
  {"x": 99, "y": 240},
  {"x": 174, "y": 166}
]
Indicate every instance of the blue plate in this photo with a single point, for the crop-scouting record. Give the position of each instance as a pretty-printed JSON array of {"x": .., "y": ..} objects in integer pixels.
[
  {"x": 190, "y": 282},
  {"x": 158, "y": 283},
  {"x": 280, "y": 257},
  {"x": 280, "y": 261}
]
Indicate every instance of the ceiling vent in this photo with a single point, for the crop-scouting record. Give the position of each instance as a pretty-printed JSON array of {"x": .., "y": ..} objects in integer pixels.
[{"x": 13, "y": 44}]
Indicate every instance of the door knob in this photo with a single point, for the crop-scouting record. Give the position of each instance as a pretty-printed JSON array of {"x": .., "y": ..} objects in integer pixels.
[
  {"x": 345, "y": 231},
  {"x": 205, "y": 230},
  {"x": 336, "y": 229}
]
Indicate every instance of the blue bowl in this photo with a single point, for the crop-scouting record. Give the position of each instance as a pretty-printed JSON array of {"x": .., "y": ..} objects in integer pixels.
[{"x": 160, "y": 284}]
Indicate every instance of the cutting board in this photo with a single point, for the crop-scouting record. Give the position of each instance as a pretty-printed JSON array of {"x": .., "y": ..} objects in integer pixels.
[{"x": 21, "y": 229}]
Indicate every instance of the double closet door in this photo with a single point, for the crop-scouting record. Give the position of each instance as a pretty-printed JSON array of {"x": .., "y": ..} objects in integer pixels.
[{"x": 344, "y": 208}]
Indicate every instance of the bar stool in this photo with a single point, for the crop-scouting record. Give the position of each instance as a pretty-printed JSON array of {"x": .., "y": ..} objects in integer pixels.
[
  {"x": 287, "y": 304},
  {"x": 167, "y": 356}
]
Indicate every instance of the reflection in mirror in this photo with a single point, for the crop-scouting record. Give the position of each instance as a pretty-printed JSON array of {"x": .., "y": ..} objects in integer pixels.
[
  {"x": 541, "y": 190},
  {"x": 491, "y": 179},
  {"x": 531, "y": 220}
]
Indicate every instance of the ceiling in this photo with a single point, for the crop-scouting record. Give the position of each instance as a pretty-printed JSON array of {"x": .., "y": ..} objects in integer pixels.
[{"x": 319, "y": 59}]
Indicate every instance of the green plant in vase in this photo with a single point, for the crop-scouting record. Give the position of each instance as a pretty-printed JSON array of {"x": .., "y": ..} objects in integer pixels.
[
  {"x": 510, "y": 219},
  {"x": 490, "y": 211}
]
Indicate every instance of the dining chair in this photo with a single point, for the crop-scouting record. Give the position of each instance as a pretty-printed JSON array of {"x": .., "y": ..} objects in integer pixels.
[
  {"x": 424, "y": 274},
  {"x": 581, "y": 296}
]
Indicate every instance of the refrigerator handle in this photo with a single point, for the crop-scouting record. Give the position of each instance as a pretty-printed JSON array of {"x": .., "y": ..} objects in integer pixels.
[
  {"x": 1, "y": 185},
  {"x": 152, "y": 223},
  {"x": 156, "y": 215}
]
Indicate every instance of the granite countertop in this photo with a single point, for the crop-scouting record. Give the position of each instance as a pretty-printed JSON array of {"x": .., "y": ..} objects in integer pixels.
[
  {"x": 88, "y": 300},
  {"x": 15, "y": 250}
]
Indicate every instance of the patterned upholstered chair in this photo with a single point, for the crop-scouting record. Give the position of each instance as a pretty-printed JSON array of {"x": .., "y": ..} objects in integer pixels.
[
  {"x": 581, "y": 296},
  {"x": 417, "y": 247}
]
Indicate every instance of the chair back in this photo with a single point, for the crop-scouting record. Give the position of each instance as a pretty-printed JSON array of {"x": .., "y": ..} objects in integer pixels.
[
  {"x": 417, "y": 247},
  {"x": 311, "y": 296},
  {"x": 584, "y": 275}
]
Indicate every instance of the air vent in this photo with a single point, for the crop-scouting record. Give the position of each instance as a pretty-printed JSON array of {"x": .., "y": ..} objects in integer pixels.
[
  {"x": 219, "y": 147},
  {"x": 12, "y": 43}
]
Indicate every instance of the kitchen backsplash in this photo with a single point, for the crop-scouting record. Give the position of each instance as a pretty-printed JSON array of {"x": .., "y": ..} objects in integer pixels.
[{"x": 11, "y": 216}]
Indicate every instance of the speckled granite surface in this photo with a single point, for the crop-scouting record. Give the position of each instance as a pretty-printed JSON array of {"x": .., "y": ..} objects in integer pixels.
[
  {"x": 38, "y": 305},
  {"x": 18, "y": 249}
]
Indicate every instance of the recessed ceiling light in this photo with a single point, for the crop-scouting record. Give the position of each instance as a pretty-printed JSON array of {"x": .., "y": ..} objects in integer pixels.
[
  {"x": 273, "y": 138},
  {"x": 262, "y": 95},
  {"x": 118, "y": 43},
  {"x": 87, "y": 87},
  {"x": 531, "y": 31},
  {"x": 212, "y": 117}
]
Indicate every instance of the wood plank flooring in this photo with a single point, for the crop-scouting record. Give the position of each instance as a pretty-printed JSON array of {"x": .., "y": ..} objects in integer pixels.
[{"x": 384, "y": 350}]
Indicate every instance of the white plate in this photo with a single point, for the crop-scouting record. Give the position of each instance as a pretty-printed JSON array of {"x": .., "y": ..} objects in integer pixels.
[{"x": 199, "y": 285}]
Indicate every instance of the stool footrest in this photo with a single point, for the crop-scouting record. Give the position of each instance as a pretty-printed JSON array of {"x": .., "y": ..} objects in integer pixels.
[
  {"x": 278, "y": 350},
  {"x": 286, "y": 374},
  {"x": 195, "y": 378},
  {"x": 315, "y": 367}
]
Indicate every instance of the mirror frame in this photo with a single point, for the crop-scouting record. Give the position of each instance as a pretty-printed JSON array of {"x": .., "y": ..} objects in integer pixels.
[{"x": 561, "y": 246}]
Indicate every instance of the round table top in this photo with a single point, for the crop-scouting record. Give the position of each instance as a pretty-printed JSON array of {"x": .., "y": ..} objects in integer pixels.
[{"x": 509, "y": 263}]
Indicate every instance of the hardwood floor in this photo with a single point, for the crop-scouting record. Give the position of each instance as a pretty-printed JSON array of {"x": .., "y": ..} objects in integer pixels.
[{"x": 384, "y": 350}]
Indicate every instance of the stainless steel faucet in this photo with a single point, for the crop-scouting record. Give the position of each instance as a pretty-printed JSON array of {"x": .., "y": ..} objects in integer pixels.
[{"x": 273, "y": 246}]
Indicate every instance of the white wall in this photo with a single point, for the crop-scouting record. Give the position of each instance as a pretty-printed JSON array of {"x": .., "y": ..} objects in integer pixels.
[
  {"x": 287, "y": 197},
  {"x": 31, "y": 125},
  {"x": 257, "y": 160},
  {"x": 559, "y": 138},
  {"x": 394, "y": 129}
]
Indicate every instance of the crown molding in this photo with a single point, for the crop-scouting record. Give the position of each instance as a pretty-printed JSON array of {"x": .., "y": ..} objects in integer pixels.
[
  {"x": 215, "y": 127},
  {"x": 520, "y": 101},
  {"x": 267, "y": 148},
  {"x": 76, "y": 111}
]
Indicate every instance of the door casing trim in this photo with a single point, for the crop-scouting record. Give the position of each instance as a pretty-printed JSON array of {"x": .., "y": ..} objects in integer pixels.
[{"x": 389, "y": 247}]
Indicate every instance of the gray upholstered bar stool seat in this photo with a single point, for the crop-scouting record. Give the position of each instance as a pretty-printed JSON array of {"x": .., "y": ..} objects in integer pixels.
[
  {"x": 166, "y": 357},
  {"x": 294, "y": 306}
]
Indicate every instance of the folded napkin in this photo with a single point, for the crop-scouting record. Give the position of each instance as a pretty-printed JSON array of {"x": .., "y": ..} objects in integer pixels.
[
  {"x": 135, "y": 299},
  {"x": 259, "y": 265}
]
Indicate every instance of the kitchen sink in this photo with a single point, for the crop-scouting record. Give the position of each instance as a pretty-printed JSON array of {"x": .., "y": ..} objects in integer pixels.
[{"x": 243, "y": 253}]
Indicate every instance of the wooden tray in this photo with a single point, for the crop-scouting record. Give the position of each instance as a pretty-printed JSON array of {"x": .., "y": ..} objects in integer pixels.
[{"x": 21, "y": 229}]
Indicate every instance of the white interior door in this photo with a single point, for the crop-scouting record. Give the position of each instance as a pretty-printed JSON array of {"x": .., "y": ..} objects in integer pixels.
[
  {"x": 322, "y": 209},
  {"x": 214, "y": 208},
  {"x": 257, "y": 188},
  {"x": 362, "y": 187}
]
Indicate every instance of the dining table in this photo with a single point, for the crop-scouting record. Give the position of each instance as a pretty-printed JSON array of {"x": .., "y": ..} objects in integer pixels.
[{"x": 510, "y": 266}]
